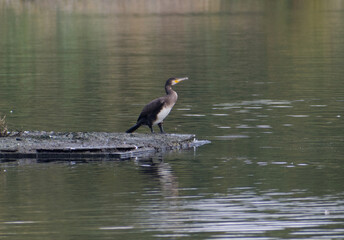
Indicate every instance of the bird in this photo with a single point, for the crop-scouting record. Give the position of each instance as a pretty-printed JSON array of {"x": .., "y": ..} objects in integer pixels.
[{"x": 157, "y": 110}]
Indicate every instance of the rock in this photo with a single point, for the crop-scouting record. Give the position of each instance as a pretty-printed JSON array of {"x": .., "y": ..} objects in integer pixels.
[{"x": 91, "y": 145}]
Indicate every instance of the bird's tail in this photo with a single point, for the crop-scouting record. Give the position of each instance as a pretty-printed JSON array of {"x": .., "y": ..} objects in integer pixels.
[{"x": 133, "y": 128}]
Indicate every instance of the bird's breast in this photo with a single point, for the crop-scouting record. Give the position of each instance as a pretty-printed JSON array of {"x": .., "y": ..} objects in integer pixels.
[{"x": 163, "y": 114}]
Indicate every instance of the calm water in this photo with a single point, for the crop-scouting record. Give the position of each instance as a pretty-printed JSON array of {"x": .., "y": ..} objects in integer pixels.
[{"x": 266, "y": 87}]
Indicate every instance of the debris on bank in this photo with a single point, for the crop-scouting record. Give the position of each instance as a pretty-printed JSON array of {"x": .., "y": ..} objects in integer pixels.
[{"x": 43, "y": 145}]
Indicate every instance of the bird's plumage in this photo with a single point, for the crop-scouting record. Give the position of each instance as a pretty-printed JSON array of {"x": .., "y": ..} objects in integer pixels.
[{"x": 157, "y": 110}]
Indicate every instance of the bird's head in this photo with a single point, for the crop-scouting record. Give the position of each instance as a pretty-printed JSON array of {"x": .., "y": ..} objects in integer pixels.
[{"x": 174, "y": 81}]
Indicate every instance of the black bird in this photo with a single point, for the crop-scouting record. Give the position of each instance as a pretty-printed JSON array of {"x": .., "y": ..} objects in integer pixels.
[{"x": 157, "y": 110}]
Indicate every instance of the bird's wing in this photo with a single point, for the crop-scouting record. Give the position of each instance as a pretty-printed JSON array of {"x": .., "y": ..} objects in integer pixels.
[{"x": 151, "y": 109}]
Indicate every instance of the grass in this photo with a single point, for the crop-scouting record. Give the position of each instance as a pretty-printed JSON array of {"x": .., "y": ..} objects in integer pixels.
[{"x": 3, "y": 127}]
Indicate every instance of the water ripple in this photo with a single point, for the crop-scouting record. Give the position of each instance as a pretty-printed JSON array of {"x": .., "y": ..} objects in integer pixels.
[{"x": 244, "y": 213}]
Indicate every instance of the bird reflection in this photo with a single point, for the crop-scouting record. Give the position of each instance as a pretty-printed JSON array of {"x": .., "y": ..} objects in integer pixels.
[{"x": 157, "y": 168}]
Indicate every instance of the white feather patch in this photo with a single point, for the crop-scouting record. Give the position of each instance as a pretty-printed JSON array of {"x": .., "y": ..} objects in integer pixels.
[{"x": 162, "y": 115}]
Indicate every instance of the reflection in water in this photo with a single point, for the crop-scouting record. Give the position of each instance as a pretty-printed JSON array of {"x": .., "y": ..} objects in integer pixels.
[
  {"x": 155, "y": 198},
  {"x": 246, "y": 213},
  {"x": 119, "y": 7},
  {"x": 163, "y": 171}
]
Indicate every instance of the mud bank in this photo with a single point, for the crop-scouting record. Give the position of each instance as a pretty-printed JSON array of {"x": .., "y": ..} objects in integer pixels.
[{"x": 91, "y": 145}]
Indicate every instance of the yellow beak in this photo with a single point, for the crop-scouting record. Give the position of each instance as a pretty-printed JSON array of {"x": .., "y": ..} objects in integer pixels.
[{"x": 179, "y": 80}]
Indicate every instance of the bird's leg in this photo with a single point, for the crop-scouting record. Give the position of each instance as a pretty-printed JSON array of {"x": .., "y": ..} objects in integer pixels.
[
  {"x": 151, "y": 128},
  {"x": 161, "y": 128}
]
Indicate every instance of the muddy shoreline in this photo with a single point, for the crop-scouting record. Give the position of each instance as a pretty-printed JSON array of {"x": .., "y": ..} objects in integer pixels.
[{"x": 91, "y": 145}]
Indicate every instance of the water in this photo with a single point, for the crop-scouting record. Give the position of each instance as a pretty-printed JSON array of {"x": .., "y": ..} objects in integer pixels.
[{"x": 265, "y": 86}]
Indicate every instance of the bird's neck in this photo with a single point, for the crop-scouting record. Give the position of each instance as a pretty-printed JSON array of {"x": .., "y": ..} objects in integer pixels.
[
  {"x": 171, "y": 96},
  {"x": 169, "y": 90}
]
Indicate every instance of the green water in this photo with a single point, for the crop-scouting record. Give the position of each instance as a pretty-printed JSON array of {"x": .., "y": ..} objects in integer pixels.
[{"x": 265, "y": 86}]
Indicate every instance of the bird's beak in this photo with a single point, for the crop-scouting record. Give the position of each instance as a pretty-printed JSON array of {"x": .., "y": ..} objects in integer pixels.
[{"x": 179, "y": 80}]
